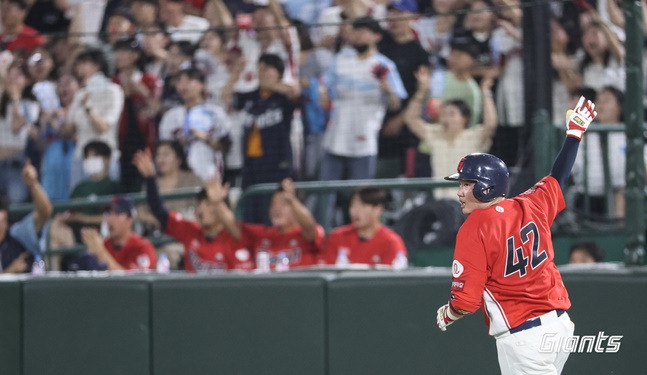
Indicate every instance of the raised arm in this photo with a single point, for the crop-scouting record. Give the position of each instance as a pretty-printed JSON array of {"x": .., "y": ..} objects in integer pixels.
[
  {"x": 143, "y": 160},
  {"x": 217, "y": 194},
  {"x": 413, "y": 111},
  {"x": 42, "y": 206},
  {"x": 489, "y": 110},
  {"x": 303, "y": 216},
  {"x": 577, "y": 121}
]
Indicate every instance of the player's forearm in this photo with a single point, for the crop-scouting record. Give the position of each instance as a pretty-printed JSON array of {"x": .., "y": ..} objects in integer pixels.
[
  {"x": 412, "y": 117},
  {"x": 305, "y": 219},
  {"x": 565, "y": 159},
  {"x": 228, "y": 220},
  {"x": 155, "y": 202},
  {"x": 42, "y": 204}
]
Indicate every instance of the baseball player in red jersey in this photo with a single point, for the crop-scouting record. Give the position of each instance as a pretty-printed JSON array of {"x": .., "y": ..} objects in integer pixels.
[
  {"x": 504, "y": 256},
  {"x": 208, "y": 244},
  {"x": 294, "y": 233},
  {"x": 365, "y": 240},
  {"x": 123, "y": 249}
]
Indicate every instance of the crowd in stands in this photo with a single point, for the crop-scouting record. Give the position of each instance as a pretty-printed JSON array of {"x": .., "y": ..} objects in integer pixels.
[{"x": 106, "y": 97}]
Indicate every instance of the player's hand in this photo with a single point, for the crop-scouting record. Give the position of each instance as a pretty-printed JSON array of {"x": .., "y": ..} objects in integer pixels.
[
  {"x": 288, "y": 186},
  {"x": 92, "y": 239},
  {"x": 579, "y": 118},
  {"x": 445, "y": 317},
  {"x": 143, "y": 161},
  {"x": 216, "y": 190}
]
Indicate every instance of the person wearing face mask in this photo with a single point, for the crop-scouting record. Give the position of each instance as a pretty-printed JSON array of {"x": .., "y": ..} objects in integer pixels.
[
  {"x": 361, "y": 85},
  {"x": 96, "y": 161}
]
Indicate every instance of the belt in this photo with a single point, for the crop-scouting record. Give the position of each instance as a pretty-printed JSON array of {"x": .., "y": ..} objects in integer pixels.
[{"x": 531, "y": 323}]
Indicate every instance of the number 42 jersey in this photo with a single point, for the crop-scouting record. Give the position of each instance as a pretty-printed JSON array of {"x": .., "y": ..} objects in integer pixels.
[{"x": 504, "y": 259}]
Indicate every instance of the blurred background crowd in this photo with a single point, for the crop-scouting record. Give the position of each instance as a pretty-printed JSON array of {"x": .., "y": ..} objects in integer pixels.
[{"x": 255, "y": 91}]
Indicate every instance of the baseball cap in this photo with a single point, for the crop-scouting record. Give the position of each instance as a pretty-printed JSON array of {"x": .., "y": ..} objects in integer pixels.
[
  {"x": 466, "y": 44},
  {"x": 367, "y": 23},
  {"x": 122, "y": 205},
  {"x": 404, "y": 5}
]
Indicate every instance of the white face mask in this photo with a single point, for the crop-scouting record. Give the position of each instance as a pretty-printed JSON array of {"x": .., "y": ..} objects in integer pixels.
[{"x": 93, "y": 166}]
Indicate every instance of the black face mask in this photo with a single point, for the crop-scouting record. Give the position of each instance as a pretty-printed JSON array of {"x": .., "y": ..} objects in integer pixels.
[{"x": 360, "y": 48}]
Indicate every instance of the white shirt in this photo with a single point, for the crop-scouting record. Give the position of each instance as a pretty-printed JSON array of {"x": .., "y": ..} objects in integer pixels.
[
  {"x": 176, "y": 122},
  {"x": 8, "y": 139},
  {"x": 358, "y": 104},
  {"x": 106, "y": 101},
  {"x": 591, "y": 149},
  {"x": 191, "y": 29},
  {"x": 445, "y": 154}
]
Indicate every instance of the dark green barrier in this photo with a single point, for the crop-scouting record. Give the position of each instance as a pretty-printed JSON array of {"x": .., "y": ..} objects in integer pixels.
[
  {"x": 86, "y": 326},
  {"x": 616, "y": 305},
  {"x": 239, "y": 325},
  {"x": 385, "y": 323},
  {"x": 10, "y": 325}
]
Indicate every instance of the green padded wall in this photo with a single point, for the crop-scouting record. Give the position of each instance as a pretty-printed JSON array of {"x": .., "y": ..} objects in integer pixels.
[
  {"x": 239, "y": 325},
  {"x": 86, "y": 326},
  {"x": 10, "y": 325},
  {"x": 615, "y": 304},
  {"x": 386, "y": 324}
]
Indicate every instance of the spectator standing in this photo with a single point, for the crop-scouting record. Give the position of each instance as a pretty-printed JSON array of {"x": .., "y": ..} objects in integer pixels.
[
  {"x": 21, "y": 241},
  {"x": 509, "y": 142},
  {"x": 16, "y": 36},
  {"x": 137, "y": 128},
  {"x": 602, "y": 63},
  {"x": 95, "y": 111},
  {"x": 123, "y": 249},
  {"x": 208, "y": 244},
  {"x": 202, "y": 128},
  {"x": 366, "y": 240},
  {"x": 401, "y": 46},
  {"x": 362, "y": 85},
  {"x": 145, "y": 13},
  {"x": 18, "y": 114},
  {"x": 452, "y": 136},
  {"x": 181, "y": 26},
  {"x": 590, "y": 161},
  {"x": 58, "y": 154},
  {"x": 268, "y": 113}
]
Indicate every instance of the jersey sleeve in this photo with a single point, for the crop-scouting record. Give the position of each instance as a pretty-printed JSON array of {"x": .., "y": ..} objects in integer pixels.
[
  {"x": 392, "y": 247},
  {"x": 180, "y": 228},
  {"x": 469, "y": 269},
  {"x": 250, "y": 234},
  {"x": 547, "y": 196},
  {"x": 328, "y": 253}
]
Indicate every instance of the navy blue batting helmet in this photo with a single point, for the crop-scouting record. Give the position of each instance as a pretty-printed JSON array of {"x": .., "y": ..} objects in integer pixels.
[{"x": 489, "y": 172}]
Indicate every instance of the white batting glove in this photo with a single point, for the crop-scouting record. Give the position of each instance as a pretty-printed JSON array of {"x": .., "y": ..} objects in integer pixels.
[
  {"x": 579, "y": 119},
  {"x": 445, "y": 316}
]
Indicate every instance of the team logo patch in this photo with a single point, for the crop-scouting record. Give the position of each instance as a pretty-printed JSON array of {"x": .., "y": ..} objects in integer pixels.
[
  {"x": 460, "y": 165},
  {"x": 458, "y": 284},
  {"x": 457, "y": 268},
  {"x": 376, "y": 259},
  {"x": 499, "y": 209},
  {"x": 220, "y": 257},
  {"x": 242, "y": 255}
]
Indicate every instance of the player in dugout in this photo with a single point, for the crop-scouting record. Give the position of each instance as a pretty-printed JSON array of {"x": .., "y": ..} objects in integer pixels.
[
  {"x": 504, "y": 256},
  {"x": 293, "y": 240},
  {"x": 208, "y": 245},
  {"x": 365, "y": 240}
]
